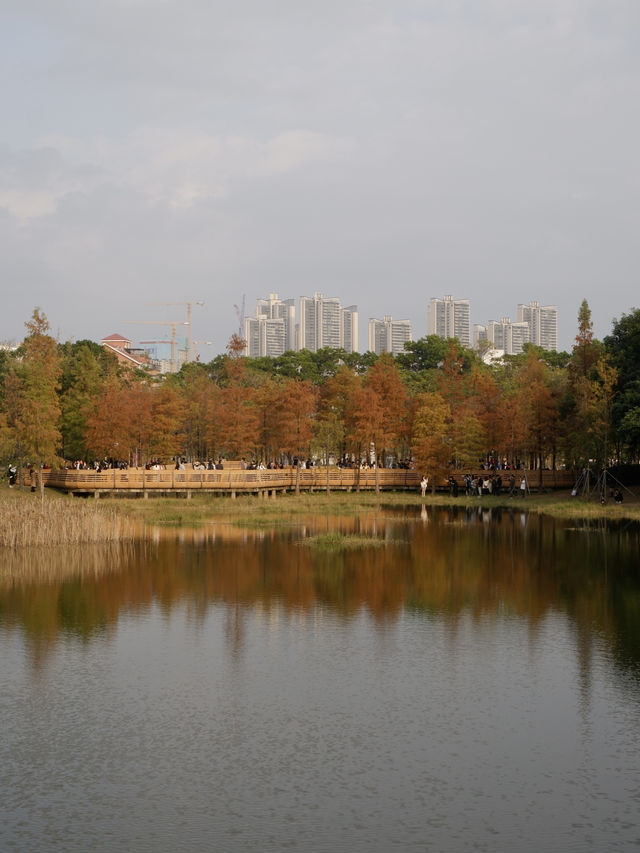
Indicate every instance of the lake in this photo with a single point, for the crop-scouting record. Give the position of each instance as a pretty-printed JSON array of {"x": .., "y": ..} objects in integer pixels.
[{"x": 472, "y": 682}]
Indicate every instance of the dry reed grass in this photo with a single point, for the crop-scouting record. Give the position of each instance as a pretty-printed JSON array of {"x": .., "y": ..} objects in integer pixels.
[{"x": 26, "y": 521}]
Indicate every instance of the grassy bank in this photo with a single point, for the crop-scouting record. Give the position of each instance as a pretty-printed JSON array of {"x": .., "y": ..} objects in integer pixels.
[
  {"x": 248, "y": 510},
  {"x": 252, "y": 511}
]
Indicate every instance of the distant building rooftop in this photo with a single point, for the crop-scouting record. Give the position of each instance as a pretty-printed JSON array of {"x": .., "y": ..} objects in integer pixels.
[
  {"x": 114, "y": 340},
  {"x": 121, "y": 348}
]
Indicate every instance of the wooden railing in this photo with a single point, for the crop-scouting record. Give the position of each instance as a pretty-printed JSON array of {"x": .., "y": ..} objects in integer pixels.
[{"x": 232, "y": 480}]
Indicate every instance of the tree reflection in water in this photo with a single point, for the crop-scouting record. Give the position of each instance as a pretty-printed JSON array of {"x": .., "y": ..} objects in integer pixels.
[{"x": 441, "y": 563}]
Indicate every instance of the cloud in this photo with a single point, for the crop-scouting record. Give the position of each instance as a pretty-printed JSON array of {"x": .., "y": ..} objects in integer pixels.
[
  {"x": 384, "y": 152},
  {"x": 179, "y": 168}
]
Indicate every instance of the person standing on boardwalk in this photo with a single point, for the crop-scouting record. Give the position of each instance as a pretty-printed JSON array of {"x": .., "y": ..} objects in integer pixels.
[
  {"x": 523, "y": 487},
  {"x": 497, "y": 484}
]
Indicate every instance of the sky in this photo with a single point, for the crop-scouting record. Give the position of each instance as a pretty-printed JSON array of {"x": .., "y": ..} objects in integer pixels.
[{"x": 155, "y": 151}]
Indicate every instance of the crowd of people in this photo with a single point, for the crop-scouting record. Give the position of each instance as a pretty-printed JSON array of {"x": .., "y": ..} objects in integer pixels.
[{"x": 489, "y": 483}]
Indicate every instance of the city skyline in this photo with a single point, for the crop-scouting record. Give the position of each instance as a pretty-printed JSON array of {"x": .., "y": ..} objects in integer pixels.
[
  {"x": 274, "y": 328},
  {"x": 567, "y": 327},
  {"x": 536, "y": 324},
  {"x": 321, "y": 322},
  {"x": 275, "y": 321}
]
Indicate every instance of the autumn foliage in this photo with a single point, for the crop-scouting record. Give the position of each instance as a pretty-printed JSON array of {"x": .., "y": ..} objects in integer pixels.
[{"x": 437, "y": 407}]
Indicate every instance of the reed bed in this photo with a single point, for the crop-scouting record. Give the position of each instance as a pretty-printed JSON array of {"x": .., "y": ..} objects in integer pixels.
[{"x": 26, "y": 521}]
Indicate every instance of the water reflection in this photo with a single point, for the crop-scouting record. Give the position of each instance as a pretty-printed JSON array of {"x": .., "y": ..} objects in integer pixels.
[
  {"x": 231, "y": 689},
  {"x": 490, "y": 564}
]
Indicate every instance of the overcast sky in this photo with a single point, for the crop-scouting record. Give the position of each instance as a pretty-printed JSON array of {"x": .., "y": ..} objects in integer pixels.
[{"x": 381, "y": 152}]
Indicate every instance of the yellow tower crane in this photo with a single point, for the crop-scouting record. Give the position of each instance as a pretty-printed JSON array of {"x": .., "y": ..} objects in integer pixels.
[
  {"x": 188, "y": 323},
  {"x": 173, "y": 324}
]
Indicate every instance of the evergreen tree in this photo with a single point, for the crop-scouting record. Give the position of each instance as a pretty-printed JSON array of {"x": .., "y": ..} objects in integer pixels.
[
  {"x": 35, "y": 407},
  {"x": 82, "y": 381},
  {"x": 623, "y": 351},
  {"x": 586, "y": 349}
]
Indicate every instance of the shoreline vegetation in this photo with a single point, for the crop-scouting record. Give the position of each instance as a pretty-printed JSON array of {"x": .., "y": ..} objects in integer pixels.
[
  {"x": 26, "y": 521},
  {"x": 251, "y": 511}
]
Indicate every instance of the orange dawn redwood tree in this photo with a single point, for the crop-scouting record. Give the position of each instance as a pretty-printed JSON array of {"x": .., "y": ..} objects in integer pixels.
[
  {"x": 108, "y": 422},
  {"x": 236, "y": 417},
  {"x": 537, "y": 410},
  {"x": 296, "y": 405},
  {"x": 381, "y": 412}
]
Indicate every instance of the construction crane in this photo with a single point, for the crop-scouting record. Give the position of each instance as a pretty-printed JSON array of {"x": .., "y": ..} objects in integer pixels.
[
  {"x": 173, "y": 324},
  {"x": 194, "y": 354},
  {"x": 240, "y": 316},
  {"x": 188, "y": 323}
]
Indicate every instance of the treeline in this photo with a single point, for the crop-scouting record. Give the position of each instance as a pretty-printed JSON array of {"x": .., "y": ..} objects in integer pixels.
[{"x": 437, "y": 403}]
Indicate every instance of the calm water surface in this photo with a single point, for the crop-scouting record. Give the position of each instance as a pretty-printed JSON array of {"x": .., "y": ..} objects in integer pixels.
[{"x": 474, "y": 684}]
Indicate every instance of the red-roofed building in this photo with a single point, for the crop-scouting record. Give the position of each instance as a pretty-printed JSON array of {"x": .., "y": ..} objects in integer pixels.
[{"x": 123, "y": 351}]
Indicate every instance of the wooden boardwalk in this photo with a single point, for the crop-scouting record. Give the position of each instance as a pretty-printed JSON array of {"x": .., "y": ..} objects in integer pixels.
[{"x": 232, "y": 480}]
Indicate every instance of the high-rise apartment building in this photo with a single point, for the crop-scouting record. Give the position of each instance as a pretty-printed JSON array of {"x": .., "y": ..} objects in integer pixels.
[
  {"x": 273, "y": 330},
  {"x": 264, "y": 336},
  {"x": 450, "y": 318},
  {"x": 507, "y": 336},
  {"x": 274, "y": 308},
  {"x": 543, "y": 324},
  {"x": 388, "y": 335},
  {"x": 251, "y": 335},
  {"x": 324, "y": 323},
  {"x": 350, "y": 328}
]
